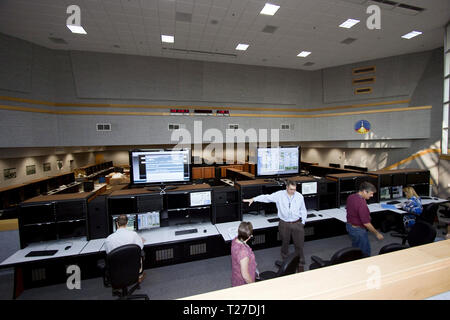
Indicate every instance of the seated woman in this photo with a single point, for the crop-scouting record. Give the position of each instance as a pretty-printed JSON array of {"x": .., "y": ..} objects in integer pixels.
[
  {"x": 243, "y": 264},
  {"x": 413, "y": 207}
]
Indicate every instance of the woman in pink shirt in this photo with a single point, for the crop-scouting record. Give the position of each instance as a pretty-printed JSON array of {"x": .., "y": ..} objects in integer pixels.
[{"x": 243, "y": 264}]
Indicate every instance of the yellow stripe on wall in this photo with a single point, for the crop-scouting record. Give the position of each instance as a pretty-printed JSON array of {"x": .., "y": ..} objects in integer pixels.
[
  {"x": 414, "y": 156},
  {"x": 136, "y": 106},
  {"x": 130, "y": 113}
]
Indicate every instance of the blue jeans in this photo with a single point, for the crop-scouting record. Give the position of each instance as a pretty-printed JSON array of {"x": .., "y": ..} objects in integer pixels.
[{"x": 360, "y": 238}]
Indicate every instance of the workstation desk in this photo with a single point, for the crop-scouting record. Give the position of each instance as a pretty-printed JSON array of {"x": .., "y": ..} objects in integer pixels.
[{"x": 173, "y": 244}]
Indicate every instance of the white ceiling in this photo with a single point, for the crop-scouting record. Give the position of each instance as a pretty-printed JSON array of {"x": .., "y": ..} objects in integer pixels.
[{"x": 303, "y": 25}]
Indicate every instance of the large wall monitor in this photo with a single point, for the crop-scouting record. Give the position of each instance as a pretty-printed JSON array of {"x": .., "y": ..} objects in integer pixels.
[
  {"x": 159, "y": 166},
  {"x": 278, "y": 161}
]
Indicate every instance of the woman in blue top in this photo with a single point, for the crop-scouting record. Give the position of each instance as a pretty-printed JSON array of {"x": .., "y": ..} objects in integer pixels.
[{"x": 413, "y": 207}]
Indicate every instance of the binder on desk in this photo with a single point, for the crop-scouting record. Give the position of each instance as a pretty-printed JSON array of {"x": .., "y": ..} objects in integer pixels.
[{"x": 388, "y": 206}]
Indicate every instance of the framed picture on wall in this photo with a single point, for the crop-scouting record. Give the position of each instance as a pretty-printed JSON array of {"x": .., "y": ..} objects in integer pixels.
[
  {"x": 59, "y": 164},
  {"x": 47, "y": 166},
  {"x": 9, "y": 173},
  {"x": 31, "y": 169}
]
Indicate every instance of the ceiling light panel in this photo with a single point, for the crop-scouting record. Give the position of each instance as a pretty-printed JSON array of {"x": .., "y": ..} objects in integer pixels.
[{"x": 269, "y": 9}]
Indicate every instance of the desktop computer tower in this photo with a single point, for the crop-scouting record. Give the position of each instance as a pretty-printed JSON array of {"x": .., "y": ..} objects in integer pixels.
[{"x": 97, "y": 219}]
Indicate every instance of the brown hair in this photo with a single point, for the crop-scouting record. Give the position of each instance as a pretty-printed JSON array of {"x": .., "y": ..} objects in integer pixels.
[
  {"x": 410, "y": 192},
  {"x": 245, "y": 230},
  {"x": 122, "y": 220},
  {"x": 290, "y": 183},
  {"x": 367, "y": 186}
]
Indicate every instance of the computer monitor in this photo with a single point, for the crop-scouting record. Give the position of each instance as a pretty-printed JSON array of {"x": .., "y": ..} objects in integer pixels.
[
  {"x": 131, "y": 225},
  {"x": 278, "y": 161},
  {"x": 202, "y": 198},
  {"x": 159, "y": 166},
  {"x": 397, "y": 192},
  {"x": 37, "y": 213},
  {"x": 148, "y": 220},
  {"x": 309, "y": 188},
  {"x": 385, "y": 193}
]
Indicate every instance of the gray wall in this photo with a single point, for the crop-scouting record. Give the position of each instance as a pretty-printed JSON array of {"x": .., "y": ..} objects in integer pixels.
[{"x": 86, "y": 77}]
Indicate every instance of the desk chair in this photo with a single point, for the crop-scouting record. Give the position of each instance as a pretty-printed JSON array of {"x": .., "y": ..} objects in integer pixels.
[
  {"x": 341, "y": 256},
  {"x": 288, "y": 266},
  {"x": 122, "y": 271},
  {"x": 421, "y": 233},
  {"x": 429, "y": 213},
  {"x": 392, "y": 247}
]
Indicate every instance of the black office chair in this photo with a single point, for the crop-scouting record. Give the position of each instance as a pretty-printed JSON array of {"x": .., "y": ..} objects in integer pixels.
[
  {"x": 421, "y": 233},
  {"x": 122, "y": 271},
  {"x": 341, "y": 256},
  {"x": 392, "y": 247},
  {"x": 289, "y": 266},
  {"x": 429, "y": 213}
]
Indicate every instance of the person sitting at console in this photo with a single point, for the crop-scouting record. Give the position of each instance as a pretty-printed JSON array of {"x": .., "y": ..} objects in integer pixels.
[
  {"x": 122, "y": 237},
  {"x": 413, "y": 206},
  {"x": 243, "y": 263}
]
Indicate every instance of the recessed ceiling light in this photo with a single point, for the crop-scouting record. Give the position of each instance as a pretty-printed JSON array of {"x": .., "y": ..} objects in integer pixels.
[
  {"x": 242, "y": 46},
  {"x": 349, "y": 23},
  {"x": 168, "y": 39},
  {"x": 269, "y": 9},
  {"x": 76, "y": 29},
  {"x": 304, "y": 54},
  {"x": 412, "y": 34}
]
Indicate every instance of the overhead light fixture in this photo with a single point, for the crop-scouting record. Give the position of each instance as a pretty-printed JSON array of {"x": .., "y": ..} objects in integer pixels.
[
  {"x": 168, "y": 39},
  {"x": 76, "y": 29},
  {"x": 304, "y": 54},
  {"x": 412, "y": 34},
  {"x": 269, "y": 9},
  {"x": 242, "y": 46},
  {"x": 349, "y": 23}
]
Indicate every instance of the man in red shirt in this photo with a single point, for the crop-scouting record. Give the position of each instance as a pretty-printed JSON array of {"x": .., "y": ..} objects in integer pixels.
[{"x": 358, "y": 218}]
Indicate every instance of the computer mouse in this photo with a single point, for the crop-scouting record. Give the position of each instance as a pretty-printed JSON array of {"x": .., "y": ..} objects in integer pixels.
[{"x": 67, "y": 248}]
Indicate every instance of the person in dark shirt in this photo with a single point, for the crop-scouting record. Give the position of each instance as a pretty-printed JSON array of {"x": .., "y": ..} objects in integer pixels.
[{"x": 358, "y": 218}]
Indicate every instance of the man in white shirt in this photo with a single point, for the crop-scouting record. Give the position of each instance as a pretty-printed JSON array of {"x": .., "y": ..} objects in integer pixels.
[
  {"x": 292, "y": 213},
  {"x": 123, "y": 236}
]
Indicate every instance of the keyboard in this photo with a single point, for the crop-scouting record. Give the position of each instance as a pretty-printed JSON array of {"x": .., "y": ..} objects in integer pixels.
[
  {"x": 41, "y": 253},
  {"x": 393, "y": 202},
  {"x": 181, "y": 232},
  {"x": 273, "y": 219},
  {"x": 311, "y": 215}
]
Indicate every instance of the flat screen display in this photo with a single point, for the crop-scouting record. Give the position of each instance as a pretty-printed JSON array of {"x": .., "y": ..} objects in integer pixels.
[
  {"x": 397, "y": 192},
  {"x": 131, "y": 225},
  {"x": 148, "y": 220},
  {"x": 385, "y": 193},
  {"x": 309, "y": 188},
  {"x": 200, "y": 198},
  {"x": 159, "y": 166},
  {"x": 278, "y": 161}
]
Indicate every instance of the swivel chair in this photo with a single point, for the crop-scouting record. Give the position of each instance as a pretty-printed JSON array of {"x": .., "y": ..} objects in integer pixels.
[
  {"x": 341, "y": 256},
  {"x": 392, "y": 247},
  {"x": 429, "y": 213},
  {"x": 288, "y": 266},
  {"x": 122, "y": 271},
  {"x": 421, "y": 233},
  {"x": 425, "y": 232}
]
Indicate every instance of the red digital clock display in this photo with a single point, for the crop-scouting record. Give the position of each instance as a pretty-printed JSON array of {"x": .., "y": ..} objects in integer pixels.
[{"x": 178, "y": 111}]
